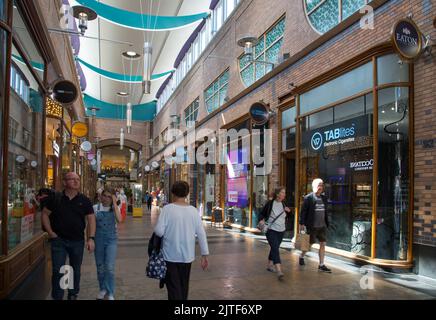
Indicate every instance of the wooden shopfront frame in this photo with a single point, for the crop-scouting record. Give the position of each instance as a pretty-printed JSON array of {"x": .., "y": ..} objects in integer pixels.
[
  {"x": 17, "y": 263},
  {"x": 287, "y": 101}
]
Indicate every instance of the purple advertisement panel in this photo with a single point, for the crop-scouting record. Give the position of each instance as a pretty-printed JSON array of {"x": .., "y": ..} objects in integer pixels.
[{"x": 237, "y": 173}]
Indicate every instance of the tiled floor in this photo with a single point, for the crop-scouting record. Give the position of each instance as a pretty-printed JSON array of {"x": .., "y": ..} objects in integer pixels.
[{"x": 237, "y": 271}]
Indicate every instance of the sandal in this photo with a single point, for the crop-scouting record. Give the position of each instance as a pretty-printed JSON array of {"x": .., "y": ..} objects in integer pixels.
[{"x": 270, "y": 269}]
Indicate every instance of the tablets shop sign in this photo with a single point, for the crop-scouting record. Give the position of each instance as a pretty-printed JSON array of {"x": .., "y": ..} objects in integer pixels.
[{"x": 341, "y": 133}]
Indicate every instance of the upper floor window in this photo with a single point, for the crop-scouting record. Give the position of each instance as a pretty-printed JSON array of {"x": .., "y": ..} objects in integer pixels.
[
  {"x": 267, "y": 49},
  {"x": 191, "y": 113},
  {"x": 13, "y": 129},
  {"x": 216, "y": 93},
  {"x": 323, "y": 15}
]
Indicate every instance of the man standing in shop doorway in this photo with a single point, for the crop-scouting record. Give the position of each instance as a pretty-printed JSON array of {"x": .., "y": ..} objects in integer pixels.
[
  {"x": 64, "y": 217},
  {"x": 314, "y": 220}
]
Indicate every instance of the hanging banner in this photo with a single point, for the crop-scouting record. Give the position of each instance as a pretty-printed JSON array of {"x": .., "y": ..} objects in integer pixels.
[{"x": 139, "y": 21}]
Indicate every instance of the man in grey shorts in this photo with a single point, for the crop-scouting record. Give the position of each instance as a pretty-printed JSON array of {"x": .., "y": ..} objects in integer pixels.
[{"x": 314, "y": 219}]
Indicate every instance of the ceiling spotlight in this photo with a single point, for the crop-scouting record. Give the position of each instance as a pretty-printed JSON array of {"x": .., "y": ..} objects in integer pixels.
[
  {"x": 84, "y": 14},
  {"x": 122, "y": 94},
  {"x": 131, "y": 55}
]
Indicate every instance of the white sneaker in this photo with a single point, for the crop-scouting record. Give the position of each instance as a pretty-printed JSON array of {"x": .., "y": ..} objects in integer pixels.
[
  {"x": 111, "y": 297},
  {"x": 101, "y": 295}
]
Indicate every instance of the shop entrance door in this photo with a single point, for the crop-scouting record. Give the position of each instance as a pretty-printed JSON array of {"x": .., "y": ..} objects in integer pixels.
[
  {"x": 288, "y": 178},
  {"x": 288, "y": 181}
]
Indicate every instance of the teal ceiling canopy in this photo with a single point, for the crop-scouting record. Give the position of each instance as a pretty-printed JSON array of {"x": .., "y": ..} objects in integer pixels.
[
  {"x": 36, "y": 65},
  {"x": 140, "y": 112},
  {"x": 139, "y": 21},
  {"x": 121, "y": 77}
]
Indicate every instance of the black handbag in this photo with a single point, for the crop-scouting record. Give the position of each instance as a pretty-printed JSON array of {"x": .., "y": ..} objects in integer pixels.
[{"x": 289, "y": 222}]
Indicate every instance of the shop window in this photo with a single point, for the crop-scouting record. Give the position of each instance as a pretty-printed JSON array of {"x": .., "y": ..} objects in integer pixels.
[
  {"x": 391, "y": 70},
  {"x": 238, "y": 179},
  {"x": 215, "y": 95},
  {"x": 393, "y": 171},
  {"x": 339, "y": 150},
  {"x": 3, "y": 45},
  {"x": 267, "y": 49},
  {"x": 288, "y": 129},
  {"x": 323, "y": 15},
  {"x": 3, "y": 10},
  {"x": 25, "y": 156},
  {"x": 260, "y": 176},
  {"x": 13, "y": 129},
  {"x": 191, "y": 113},
  {"x": 347, "y": 85},
  {"x": 26, "y": 41}
]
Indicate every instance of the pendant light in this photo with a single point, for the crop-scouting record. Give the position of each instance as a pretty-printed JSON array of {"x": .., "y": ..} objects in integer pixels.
[
  {"x": 129, "y": 118},
  {"x": 122, "y": 139},
  {"x": 146, "y": 84}
]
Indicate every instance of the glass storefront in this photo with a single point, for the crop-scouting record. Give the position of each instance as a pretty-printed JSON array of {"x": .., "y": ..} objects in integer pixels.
[
  {"x": 238, "y": 178},
  {"x": 345, "y": 164},
  {"x": 25, "y": 152},
  {"x": 3, "y": 46},
  {"x": 337, "y": 145},
  {"x": 260, "y": 178},
  {"x": 3, "y": 10},
  {"x": 52, "y": 151},
  {"x": 393, "y": 189}
]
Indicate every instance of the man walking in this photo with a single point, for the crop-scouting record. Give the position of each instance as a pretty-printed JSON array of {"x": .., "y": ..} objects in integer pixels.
[
  {"x": 314, "y": 220},
  {"x": 64, "y": 218}
]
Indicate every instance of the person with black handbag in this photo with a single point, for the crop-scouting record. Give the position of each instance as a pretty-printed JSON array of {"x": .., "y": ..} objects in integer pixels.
[
  {"x": 180, "y": 225},
  {"x": 272, "y": 221}
]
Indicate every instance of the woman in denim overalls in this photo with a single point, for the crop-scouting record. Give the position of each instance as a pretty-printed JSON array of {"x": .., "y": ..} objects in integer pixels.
[{"x": 107, "y": 216}]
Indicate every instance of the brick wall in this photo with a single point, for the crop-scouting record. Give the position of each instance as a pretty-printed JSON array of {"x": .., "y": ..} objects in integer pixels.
[{"x": 255, "y": 17}]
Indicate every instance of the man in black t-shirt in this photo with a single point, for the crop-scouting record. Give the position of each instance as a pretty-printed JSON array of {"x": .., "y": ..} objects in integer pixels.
[{"x": 64, "y": 218}]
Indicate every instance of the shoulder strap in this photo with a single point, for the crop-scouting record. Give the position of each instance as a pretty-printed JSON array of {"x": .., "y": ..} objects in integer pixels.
[{"x": 274, "y": 220}]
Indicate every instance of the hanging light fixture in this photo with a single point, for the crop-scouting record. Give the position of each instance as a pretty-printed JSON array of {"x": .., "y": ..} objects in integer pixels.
[
  {"x": 84, "y": 14},
  {"x": 146, "y": 83},
  {"x": 129, "y": 118},
  {"x": 122, "y": 139}
]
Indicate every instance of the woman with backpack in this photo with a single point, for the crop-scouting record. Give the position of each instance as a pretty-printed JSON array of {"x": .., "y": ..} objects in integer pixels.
[
  {"x": 273, "y": 218},
  {"x": 107, "y": 215}
]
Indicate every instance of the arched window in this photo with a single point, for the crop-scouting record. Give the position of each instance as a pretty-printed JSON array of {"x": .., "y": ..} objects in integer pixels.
[{"x": 323, "y": 15}]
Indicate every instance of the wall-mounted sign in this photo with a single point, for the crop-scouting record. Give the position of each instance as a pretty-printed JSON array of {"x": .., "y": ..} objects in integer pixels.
[
  {"x": 339, "y": 134},
  {"x": 80, "y": 129},
  {"x": 56, "y": 148},
  {"x": 259, "y": 113},
  {"x": 407, "y": 39},
  {"x": 34, "y": 164},
  {"x": 155, "y": 164},
  {"x": 91, "y": 156},
  {"x": 147, "y": 168},
  {"x": 93, "y": 162},
  {"x": 86, "y": 146},
  {"x": 20, "y": 159},
  {"x": 362, "y": 165},
  {"x": 65, "y": 92}
]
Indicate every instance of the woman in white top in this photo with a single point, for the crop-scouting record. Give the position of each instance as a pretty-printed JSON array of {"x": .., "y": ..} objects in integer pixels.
[{"x": 178, "y": 225}]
